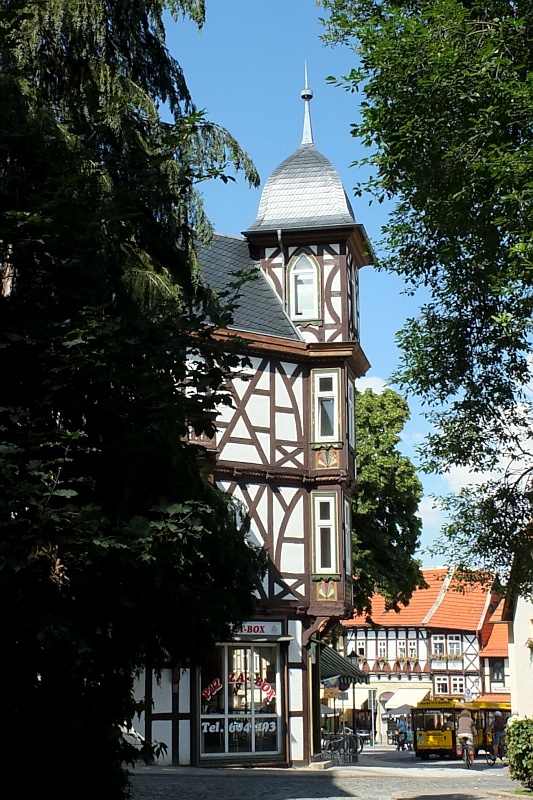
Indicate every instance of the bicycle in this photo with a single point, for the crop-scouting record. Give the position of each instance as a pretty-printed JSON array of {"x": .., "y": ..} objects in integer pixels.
[
  {"x": 502, "y": 752},
  {"x": 467, "y": 754}
]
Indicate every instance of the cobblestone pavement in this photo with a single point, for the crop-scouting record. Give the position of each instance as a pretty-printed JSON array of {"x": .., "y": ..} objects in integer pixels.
[{"x": 379, "y": 776}]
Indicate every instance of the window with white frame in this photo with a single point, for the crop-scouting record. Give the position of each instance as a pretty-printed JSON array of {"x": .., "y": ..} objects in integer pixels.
[
  {"x": 382, "y": 648},
  {"x": 457, "y": 684},
  {"x": 325, "y": 549},
  {"x": 326, "y": 406},
  {"x": 350, "y": 397},
  {"x": 347, "y": 537},
  {"x": 437, "y": 645},
  {"x": 412, "y": 649},
  {"x": 496, "y": 669},
  {"x": 454, "y": 644},
  {"x": 360, "y": 648},
  {"x": 441, "y": 684},
  {"x": 401, "y": 648},
  {"x": 303, "y": 288}
]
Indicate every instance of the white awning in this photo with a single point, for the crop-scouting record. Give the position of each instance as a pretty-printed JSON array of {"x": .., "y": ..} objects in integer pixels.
[
  {"x": 403, "y": 699},
  {"x": 356, "y": 697}
]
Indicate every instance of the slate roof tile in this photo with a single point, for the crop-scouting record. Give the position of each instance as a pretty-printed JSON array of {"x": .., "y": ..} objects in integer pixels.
[
  {"x": 259, "y": 309},
  {"x": 304, "y": 191}
]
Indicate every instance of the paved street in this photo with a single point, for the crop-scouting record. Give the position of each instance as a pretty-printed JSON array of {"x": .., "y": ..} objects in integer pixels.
[{"x": 380, "y": 775}]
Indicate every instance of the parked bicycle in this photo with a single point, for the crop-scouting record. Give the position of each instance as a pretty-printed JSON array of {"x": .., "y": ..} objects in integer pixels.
[
  {"x": 342, "y": 748},
  {"x": 502, "y": 752}
]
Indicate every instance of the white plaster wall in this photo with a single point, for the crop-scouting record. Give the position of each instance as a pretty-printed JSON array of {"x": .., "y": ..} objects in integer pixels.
[
  {"x": 184, "y": 753},
  {"x": 162, "y": 692},
  {"x": 296, "y": 738},
  {"x": 162, "y": 732},
  {"x": 336, "y": 304},
  {"x": 240, "y": 452},
  {"x": 258, "y": 410},
  {"x": 184, "y": 688},
  {"x": 295, "y": 526},
  {"x": 521, "y": 659},
  {"x": 336, "y": 281},
  {"x": 138, "y": 693},
  {"x": 292, "y": 558},
  {"x": 294, "y": 629},
  {"x": 286, "y": 428},
  {"x": 296, "y": 677}
]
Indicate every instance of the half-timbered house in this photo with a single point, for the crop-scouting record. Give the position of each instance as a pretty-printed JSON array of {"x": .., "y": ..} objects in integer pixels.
[
  {"x": 286, "y": 449},
  {"x": 434, "y": 647}
]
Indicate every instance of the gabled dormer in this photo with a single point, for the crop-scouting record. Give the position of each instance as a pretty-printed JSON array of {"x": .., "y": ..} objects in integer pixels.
[{"x": 311, "y": 246}]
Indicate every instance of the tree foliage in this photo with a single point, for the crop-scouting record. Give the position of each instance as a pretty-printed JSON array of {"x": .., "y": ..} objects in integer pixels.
[
  {"x": 386, "y": 528},
  {"x": 446, "y": 112},
  {"x": 112, "y": 539}
]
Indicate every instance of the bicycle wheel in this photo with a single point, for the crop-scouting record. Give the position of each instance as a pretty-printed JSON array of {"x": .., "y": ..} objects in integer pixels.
[
  {"x": 466, "y": 757},
  {"x": 359, "y": 743},
  {"x": 490, "y": 757}
]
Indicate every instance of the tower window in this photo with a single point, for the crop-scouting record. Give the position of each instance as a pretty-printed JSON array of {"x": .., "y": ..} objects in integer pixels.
[
  {"x": 326, "y": 406},
  {"x": 303, "y": 288},
  {"x": 325, "y": 536}
]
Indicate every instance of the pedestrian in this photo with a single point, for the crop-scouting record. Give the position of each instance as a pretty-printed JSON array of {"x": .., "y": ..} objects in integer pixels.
[{"x": 402, "y": 733}]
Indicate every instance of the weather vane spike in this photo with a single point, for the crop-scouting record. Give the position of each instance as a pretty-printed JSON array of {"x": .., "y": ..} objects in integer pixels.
[{"x": 307, "y": 95}]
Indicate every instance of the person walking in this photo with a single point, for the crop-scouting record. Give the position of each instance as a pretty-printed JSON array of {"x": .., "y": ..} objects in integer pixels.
[
  {"x": 402, "y": 733},
  {"x": 498, "y": 730}
]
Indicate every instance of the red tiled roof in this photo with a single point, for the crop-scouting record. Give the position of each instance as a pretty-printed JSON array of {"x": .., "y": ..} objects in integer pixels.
[
  {"x": 498, "y": 613},
  {"x": 497, "y": 645},
  {"x": 462, "y": 608},
  {"x": 444, "y": 604},
  {"x": 413, "y": 614}
]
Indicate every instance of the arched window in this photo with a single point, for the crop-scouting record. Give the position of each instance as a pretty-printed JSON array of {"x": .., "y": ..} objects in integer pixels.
[{"x": 303, "y": 288}]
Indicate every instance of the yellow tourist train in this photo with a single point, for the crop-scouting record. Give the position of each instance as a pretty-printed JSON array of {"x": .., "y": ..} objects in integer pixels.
[{"x": 434, "y": 723}]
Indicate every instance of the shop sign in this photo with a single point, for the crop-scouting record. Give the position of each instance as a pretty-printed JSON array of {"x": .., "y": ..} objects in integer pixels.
[
  {"x": 242, "y": 677},
  {"x": 331, "y": 692},
  {"x": 343, "y": 696},
  {"x": 238, "y": 726},
  {"x": 257, "y": 628}
]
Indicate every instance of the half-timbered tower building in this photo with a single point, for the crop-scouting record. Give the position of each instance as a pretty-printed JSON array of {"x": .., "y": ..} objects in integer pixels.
[{"x": 286, "y": 449}]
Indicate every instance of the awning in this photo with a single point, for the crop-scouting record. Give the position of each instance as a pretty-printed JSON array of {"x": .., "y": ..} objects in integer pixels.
[
  {"x": 357, "y": 697},
  {"x": 333, "y": 665},
  {"x": 327, "y": 711},
  {"x": 403, "y": 699}
]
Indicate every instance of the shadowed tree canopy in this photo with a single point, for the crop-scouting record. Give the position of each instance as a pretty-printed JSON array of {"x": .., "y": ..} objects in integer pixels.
[
  {"x": 447, "y": 92},
  {"x": 115, "y": 550},
  {"x": 386, "y": 527}
]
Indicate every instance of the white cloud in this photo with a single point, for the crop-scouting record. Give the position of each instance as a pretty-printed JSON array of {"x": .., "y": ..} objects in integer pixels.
[
  {"x": 459, "y": 477},
  {"x": 432, "y": 516},
  {"x": 375, "y": 383}
]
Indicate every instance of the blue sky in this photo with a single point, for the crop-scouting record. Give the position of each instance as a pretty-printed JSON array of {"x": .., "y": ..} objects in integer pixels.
[{"x": 246, "y": 70}]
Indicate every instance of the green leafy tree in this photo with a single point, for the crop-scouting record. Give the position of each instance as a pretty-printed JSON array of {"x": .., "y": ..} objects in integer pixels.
[
  {"x": 115, "y": 549},
  {"x": 446, "y": 112},
  {"x": 386, "y": 528}
]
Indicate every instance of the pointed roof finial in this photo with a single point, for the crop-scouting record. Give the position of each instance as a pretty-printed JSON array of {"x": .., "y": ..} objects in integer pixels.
[{"x": 307, "y": 95}]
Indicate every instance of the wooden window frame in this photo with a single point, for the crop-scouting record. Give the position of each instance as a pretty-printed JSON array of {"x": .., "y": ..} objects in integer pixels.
[{"x": 318, "y": 526}]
